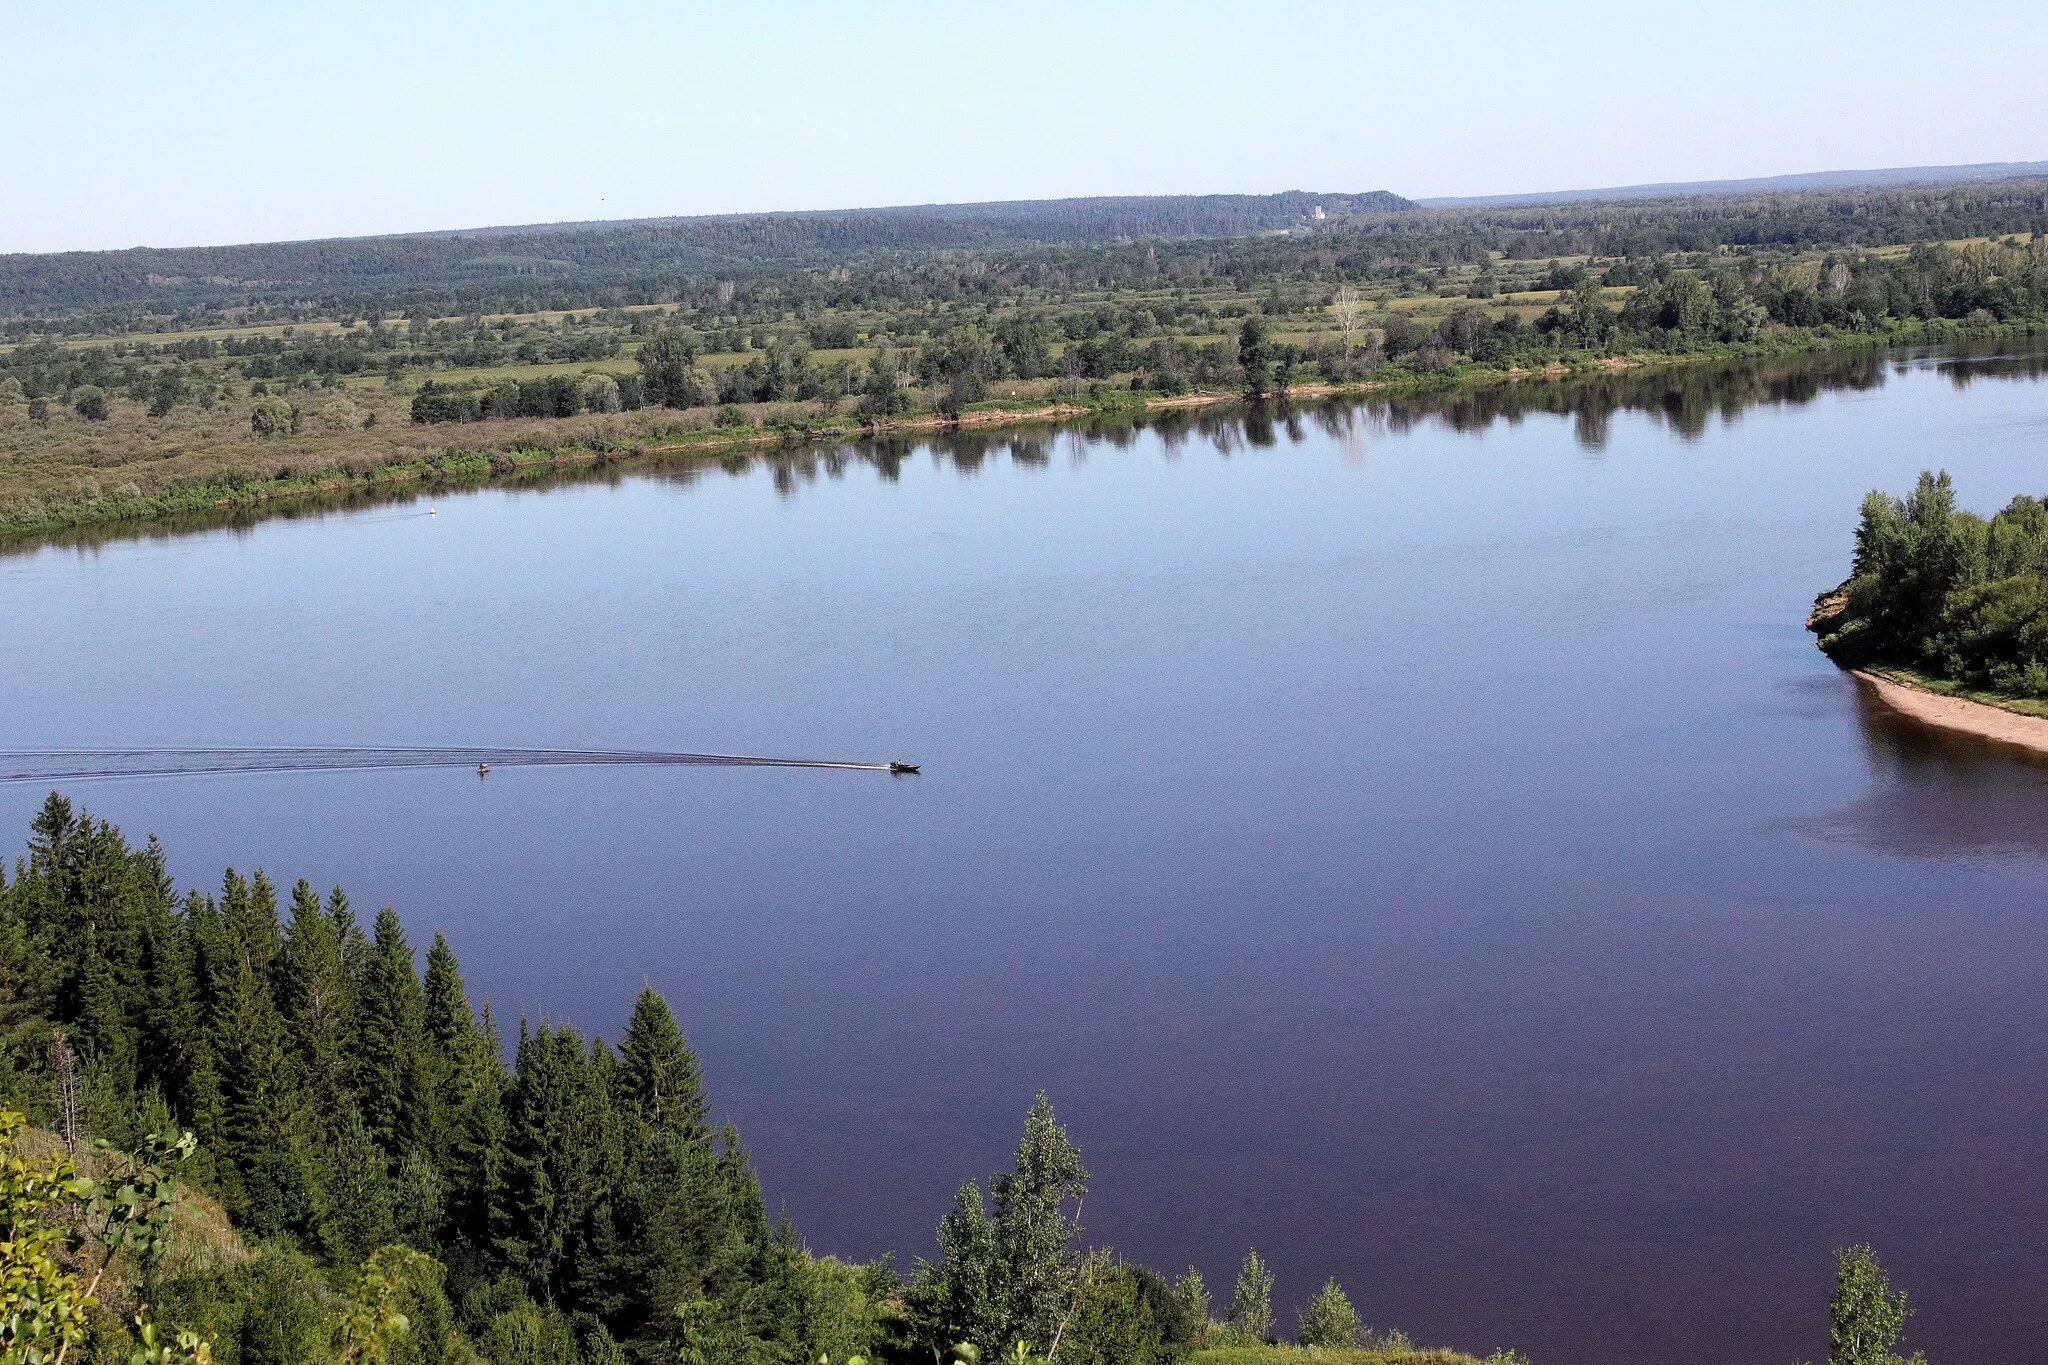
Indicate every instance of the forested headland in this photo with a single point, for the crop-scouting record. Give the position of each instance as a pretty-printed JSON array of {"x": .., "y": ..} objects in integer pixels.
[
  {"x": 1956, "y": 600},
  {"x": 136, "y": 385},
  {"x": 262, "y": 1135}
]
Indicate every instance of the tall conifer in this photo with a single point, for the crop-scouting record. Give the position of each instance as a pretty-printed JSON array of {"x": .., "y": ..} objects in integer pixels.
[
  {"x": 658, "y": 1071},
  {"x": 393, "y": 1084},
  {"x": 319, "y": 1007}
]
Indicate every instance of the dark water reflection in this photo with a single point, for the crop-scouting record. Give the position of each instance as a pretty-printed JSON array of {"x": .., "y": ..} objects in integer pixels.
[
  {"x": 1415, "y": 837},
  {"x": 1940, "y": 793}
]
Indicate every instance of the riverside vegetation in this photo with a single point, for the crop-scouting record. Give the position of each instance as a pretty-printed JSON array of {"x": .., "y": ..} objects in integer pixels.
[
  {"x": 268, "y": 1139},
  {"x": 148, "y": 383},
  {"x": 1951, "y": 600}
]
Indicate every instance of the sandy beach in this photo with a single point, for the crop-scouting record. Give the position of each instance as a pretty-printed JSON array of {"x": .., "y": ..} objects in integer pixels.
[{"x": 1955, "y": 713}]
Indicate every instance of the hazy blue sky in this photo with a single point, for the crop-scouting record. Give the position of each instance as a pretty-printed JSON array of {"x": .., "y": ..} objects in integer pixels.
[{"x": 134, "y": 123}]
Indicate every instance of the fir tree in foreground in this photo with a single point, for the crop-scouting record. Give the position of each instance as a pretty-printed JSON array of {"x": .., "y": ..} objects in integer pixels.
[
  {"x": 343, "y": 1103},
  {"x": 373, "y": 1182}
]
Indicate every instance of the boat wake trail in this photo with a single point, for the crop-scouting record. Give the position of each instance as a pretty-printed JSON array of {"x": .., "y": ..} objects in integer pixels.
[{"x": 78, "y": 765}]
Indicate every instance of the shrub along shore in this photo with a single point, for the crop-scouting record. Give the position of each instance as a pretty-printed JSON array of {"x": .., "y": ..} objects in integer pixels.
[{"x": 604, "y": 442}]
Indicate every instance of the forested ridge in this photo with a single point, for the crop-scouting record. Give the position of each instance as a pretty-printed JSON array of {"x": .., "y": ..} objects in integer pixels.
[
  {"x": 615, "y": 254},
  {"x": 681, "y": 260},
  {"x": 393, "y": 1189}
]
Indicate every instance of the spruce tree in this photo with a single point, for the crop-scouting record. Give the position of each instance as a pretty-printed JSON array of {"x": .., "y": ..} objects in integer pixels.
[
  {"x": 319, "y": 1008},
  {"x": 671, "y": 1232},
  {"x": 562, "y": 1161},
  {"x": 393, "y": 1082},
  {"x": 101, "y": 1029},
  {"x": 355, "y": 1192},
  {"x": 248, "y": 910},
  {"x": 474, "y": 1162},
  {"x": 658, "y": 1072},
  {"x": 168, "y": 1016},
  {"x": 445, "y": 1009},
  {"x": 264, "y": 1122}
]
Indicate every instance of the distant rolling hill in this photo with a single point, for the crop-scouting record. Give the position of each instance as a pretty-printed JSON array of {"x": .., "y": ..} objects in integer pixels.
[
  {"x": 1103, "y": 216},
  {"x": 1810, "y": 180},
  {"x": 631, "y": 249}
]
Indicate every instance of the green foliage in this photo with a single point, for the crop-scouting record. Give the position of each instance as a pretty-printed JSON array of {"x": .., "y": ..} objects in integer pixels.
[
  {"x": 181, "y": 1347},
  {"x": 1255, "y": 358},
  {"x": 1251, "y": 1300},
  {"x": 1939, "y": 589},
  {"x": 271, "y": 416},
  {"x": 1125, "y": 1315},
  {"x": 668, "y": 373},
  {"x": 374, "y": 1322},
  {"x": 1014, "y": 1275},
  {"x": 847, "y": 1308},
  {"x": 42, "y": 1300},
  {"x": 123, "y": 1212},
  {"x": 1866, "y": 1316},
  {"x": 127, "y": 1207},
  {"x": 529, "y": 1335},
  {"x": 1329, "y": 1319},
  {"x": 90, "y": 402},
  {"x": 1241, "y": 1354},
  {"x": 1193, "y": 1297}
]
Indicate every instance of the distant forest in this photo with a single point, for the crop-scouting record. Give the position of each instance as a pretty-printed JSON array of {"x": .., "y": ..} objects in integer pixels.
[
  {"x": 915, "y": 251},
  {"x": 1767, "y": 184},
  {"x": 622, "y": 254}
]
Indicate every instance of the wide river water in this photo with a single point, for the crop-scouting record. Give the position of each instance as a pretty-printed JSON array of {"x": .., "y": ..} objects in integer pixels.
[{"x": 1416, "y": 839}]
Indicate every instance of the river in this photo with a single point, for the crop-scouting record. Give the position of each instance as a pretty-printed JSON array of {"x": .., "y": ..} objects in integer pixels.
[{"x": 1417, "y": 839}]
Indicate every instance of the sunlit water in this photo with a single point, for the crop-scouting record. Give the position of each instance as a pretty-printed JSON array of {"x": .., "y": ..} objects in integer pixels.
[{"x": 1420, "y": 841}]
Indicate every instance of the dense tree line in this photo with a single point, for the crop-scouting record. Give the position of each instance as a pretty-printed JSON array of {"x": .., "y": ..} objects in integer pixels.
[
  {"x": 958, "y": 351},
  {"x": 1942, "y": 590},
  {"x": 382, "y": 1162},
  {"x": 344, "y": 1101}
]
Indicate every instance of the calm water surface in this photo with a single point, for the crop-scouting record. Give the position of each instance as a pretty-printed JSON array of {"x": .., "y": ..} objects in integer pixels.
[{"x": 1420, "y": 841}]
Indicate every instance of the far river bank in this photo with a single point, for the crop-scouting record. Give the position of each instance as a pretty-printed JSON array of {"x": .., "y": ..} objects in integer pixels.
[{"x": 1459, "y": 395}]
